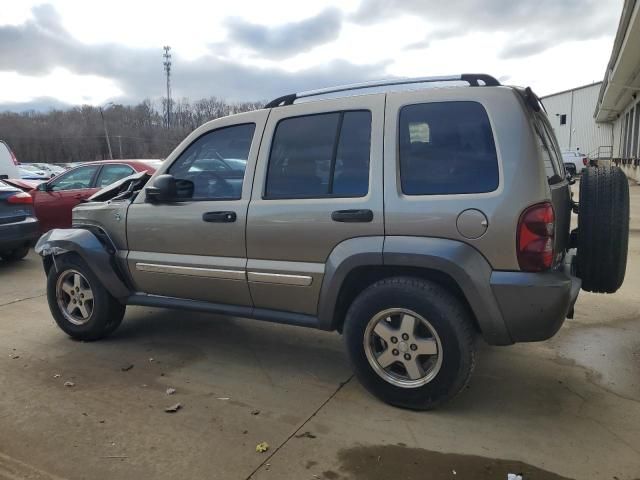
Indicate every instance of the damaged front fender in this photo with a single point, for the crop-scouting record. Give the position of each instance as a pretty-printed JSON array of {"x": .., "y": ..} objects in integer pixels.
[{"x": 85, "y": 244}]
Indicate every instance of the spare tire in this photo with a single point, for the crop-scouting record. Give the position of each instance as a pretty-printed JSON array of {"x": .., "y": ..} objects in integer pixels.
[{"x": 603, "y": 229}]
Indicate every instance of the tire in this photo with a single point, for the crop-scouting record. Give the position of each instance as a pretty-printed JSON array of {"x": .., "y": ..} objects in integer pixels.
[
  {"x": 448, "y": 329},
  {"x": 603, "y": 229},
  {"x": 104, "y": 312},
  {"x": 15, "y": 254}
]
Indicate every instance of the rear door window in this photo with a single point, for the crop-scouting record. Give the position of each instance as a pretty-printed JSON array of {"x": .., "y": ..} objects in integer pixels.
[
  {"x": 112, "y": 173},
  {"x": 446, "y": 148},
  {"x": 321, "y": 155}
]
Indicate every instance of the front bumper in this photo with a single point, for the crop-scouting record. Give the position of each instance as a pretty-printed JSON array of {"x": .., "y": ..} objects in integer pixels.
[
  {"x": 534, "y": 305},
  {"x": 19, "y": 234}
]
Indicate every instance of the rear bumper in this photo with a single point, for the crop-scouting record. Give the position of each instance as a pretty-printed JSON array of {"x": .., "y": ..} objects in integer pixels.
[
  {"x": 534, "y": 305},
  {"x": 18, "y": 234}
]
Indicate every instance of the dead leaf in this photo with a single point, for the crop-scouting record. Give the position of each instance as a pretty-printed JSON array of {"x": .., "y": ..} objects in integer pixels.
[
  {"x": 170, "y": 391},
  {"x": 57, "y": 375},
  {"x": 262, "y": 447},
  {"x": 255, "y": 412},
  {"x": 173, "y": 408},
  {"x": 69, "y": 384},
  {"x": 127, "y": 367}
]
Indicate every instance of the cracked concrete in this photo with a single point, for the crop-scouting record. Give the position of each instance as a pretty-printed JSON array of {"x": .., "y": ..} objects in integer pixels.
[{"x": 566, "y": 408}]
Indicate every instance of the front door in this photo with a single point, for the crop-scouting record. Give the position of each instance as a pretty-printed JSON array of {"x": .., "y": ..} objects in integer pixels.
[
  {"x": 318, "y": 183},
  {"x": 194, "y": 248}
]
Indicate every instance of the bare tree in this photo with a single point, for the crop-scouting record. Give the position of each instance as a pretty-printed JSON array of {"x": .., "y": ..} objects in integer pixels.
[{"x": 77, "y": 135}]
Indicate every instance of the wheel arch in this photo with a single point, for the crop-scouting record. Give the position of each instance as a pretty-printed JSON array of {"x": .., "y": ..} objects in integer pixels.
[
  {"x": 97, "y": 254},
  {"x": 458, "y": 267}
]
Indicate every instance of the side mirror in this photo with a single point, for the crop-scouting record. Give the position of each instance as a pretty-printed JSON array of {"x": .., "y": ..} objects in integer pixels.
[
  {"x": 163, "y": 189},
  {"x": 44, "y": 187}
]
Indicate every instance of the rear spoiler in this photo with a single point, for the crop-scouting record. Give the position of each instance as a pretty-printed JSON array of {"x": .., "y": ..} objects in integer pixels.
[{"x": 531, "y": 99}]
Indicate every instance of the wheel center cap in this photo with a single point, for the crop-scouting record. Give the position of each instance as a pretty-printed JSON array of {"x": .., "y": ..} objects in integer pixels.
[{"x": 403, "y": 347}]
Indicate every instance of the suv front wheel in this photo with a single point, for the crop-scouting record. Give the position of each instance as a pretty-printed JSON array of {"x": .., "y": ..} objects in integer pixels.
[
  {"x": 411, "y": 342},
  {"x": 80, "y": 305}
]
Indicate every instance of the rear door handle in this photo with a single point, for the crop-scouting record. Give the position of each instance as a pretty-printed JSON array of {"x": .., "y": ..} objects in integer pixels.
[
  {"x": 364, "y": 215},
  {"x": 219, "y": 217}
]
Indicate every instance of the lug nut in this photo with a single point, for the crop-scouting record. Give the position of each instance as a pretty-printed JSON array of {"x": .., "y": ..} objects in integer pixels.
[
  {"x": 395, "y": 352},
  {"x": 394, "y": 340},
  {"x": 405, "y": 336},
  {"x": 414, "y": 347},
  {"x": 407, "y": 356},
  {"x": 77, "y": 289}
]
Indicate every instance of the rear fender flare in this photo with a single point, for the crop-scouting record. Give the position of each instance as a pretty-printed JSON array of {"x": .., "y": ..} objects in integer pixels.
[{"x": 459, "y": 261}]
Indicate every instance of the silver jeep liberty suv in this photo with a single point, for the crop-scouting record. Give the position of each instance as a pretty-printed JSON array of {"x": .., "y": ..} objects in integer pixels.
[{"x": 411, "y": 215}]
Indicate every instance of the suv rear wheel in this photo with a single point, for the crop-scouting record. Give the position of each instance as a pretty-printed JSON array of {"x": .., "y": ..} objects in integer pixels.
[
  {"x": 80, "y": 305},
  {"x": 411, "y": 342}
]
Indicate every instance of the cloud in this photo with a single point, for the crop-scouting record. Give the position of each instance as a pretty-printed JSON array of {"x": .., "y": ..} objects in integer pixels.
[
  {"x": 42, "y": 44},
  {"x": 419, "y": 45},
  {"x": 436, "y": 35},
  {"x": 38, "y": 104},
  {"x": 525, "y": 48},
  {"x": 288, "y": 39},
  {"x": 525, "y": 23}
]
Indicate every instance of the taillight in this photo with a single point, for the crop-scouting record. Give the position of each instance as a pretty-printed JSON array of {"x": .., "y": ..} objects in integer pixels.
[
  {"x": 13, "y": 157},
  {"x": 585, "y": 161},
  {"x": 536, "y": 230},
  {"x": 20, "y": 198}
]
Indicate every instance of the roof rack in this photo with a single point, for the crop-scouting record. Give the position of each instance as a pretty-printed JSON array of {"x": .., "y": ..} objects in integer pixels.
[{"x": 473, "y": 79}]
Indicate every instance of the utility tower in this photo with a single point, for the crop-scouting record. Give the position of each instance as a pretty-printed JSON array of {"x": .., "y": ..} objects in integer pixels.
[{"x": 167, "y": 69}]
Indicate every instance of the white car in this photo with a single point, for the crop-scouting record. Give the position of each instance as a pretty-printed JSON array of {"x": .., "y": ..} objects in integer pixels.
[
  {"x": 29, "y": 172},
  {"x": 50, "y": 170},
  {"x": 574, "y": 161},
  {"x": 8, "y": 162}
]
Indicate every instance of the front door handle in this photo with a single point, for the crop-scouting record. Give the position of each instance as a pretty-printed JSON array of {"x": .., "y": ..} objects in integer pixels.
[
  {"x": 364, "y": 215},
  {"x": 219, "y": 217}
]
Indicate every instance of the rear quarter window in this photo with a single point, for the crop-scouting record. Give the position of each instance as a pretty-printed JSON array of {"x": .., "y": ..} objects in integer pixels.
[{"x": 446, "y": 148}]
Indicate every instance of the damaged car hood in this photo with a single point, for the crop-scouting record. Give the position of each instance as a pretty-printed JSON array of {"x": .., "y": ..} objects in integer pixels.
[{"x": 131, "y": 183}]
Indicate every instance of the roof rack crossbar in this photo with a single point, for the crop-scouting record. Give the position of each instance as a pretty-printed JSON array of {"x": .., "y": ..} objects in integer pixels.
[{"x": 473, "y": 79}]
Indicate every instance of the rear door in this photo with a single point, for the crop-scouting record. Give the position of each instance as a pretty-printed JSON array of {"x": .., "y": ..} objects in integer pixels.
[
  {"x": 53, "y": 206},
  {"x": 194, "y": 247},
  {"x": 318, "y": 183}
]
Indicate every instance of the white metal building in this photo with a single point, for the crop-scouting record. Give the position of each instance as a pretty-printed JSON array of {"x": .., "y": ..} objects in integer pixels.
[
  {"x": 619, "y": 97},
  {"x": 571, "y": 115}
]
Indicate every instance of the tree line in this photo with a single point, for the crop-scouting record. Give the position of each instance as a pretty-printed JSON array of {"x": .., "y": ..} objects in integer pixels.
[{"x": 135, "y": 131}]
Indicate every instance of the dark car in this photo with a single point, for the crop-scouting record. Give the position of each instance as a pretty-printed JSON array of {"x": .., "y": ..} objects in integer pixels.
[
  {"x": 18, "y": 225},
  {"x": 54, "y": 200}
]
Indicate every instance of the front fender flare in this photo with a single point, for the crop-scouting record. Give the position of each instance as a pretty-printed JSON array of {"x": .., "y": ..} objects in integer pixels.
[{"x": 91, "y": 250}]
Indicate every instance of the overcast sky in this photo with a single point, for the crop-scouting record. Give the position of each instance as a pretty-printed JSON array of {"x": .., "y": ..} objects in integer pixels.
[{"x": 66, "y": 52}]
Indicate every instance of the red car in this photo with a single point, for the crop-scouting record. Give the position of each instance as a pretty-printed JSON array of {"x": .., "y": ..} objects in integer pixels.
[{"x": 53, "y": 200}]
